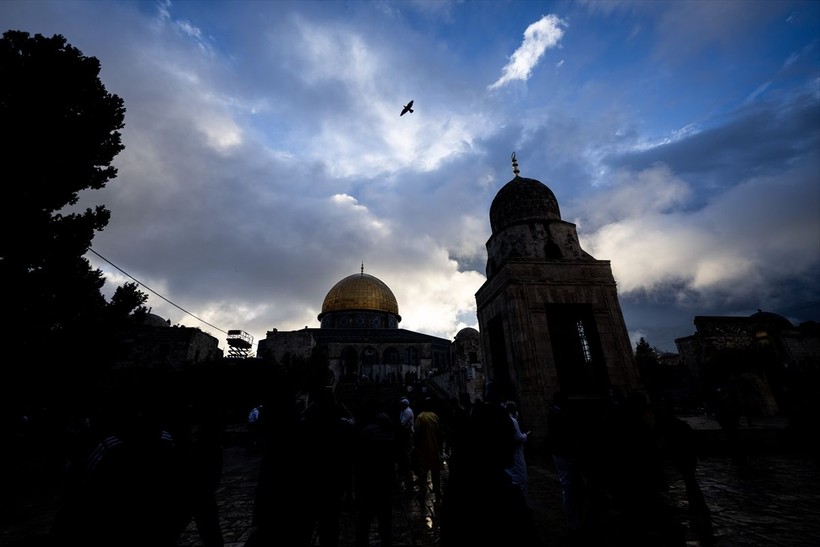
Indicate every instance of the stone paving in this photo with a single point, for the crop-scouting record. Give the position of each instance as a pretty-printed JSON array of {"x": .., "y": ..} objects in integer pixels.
[{"x": 771, "y": 498}]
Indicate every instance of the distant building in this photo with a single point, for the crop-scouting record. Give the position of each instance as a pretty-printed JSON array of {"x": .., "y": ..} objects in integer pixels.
[
  {"x": 361, "y": 338},
  {"x": 466, "y": 372},
  {"x": 156, "y": 344},
  {"x": 767, "y": 362}
]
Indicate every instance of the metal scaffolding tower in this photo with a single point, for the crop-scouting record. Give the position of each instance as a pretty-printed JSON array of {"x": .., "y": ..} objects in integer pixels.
[{"x": 239, "y": 344}]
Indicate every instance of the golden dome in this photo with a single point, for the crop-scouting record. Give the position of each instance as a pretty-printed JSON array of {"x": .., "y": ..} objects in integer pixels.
[{"x": 360, "y": 291}]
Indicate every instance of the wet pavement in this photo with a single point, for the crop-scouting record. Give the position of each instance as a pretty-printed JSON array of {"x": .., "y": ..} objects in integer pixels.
[{"x": 770, "y": 498}]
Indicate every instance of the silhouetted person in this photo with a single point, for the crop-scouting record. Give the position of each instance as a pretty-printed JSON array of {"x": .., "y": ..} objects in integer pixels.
[
  {"x": 429, "y": 436},
  {"x": 636, "y": 474},
  {"x": 444, "y": 409},
  {"x": 280, "y": 482},
  {"x": 458, "y": 428},
  {"x": 481, "y": 505},
  {"x": 256, "y": 426},
  {"x": 131, "y": 489},
  {"x": 324, "y": 444},
  {"x": 518, "y": 470},
  {"x": 405, "y": 443},
  {"x": 564, "y": 430},
  {"x": 679, "y": 445},
  {"x": 204, "y": 472},
  {"x": 727, "y": 409},
  {"x": 374, "y": 473}
]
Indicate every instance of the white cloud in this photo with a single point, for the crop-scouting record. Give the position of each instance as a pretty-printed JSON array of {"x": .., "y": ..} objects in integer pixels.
[
  {"x": 539, "y": 36},
  {"x": 435, "y": 294},
  {"x": 735, "y": 246},
  {"x": 652, "y": 191}
]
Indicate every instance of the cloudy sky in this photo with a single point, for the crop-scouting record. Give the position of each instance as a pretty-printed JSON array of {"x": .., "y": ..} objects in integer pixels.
[{"x": 265, "y": 158}]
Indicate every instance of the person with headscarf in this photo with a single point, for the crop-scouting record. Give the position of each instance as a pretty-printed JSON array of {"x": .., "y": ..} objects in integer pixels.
[{"x": 518, "y": 470}]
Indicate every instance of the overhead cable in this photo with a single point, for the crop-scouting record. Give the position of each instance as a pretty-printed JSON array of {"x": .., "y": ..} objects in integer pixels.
[{"x": 146, "y": 287}]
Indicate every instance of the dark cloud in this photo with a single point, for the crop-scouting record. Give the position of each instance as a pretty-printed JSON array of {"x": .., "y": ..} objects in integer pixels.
[{"x": 758, "y": 140}]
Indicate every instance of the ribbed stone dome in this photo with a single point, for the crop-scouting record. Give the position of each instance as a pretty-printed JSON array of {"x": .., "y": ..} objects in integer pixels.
[
  {"x": 771, "y": 320},
  {"x": 467, "y": 333},
  {"x": 154, "y": 320},
  {"x": 360, "y": 291},
  {"x": 522, "y": 200}
]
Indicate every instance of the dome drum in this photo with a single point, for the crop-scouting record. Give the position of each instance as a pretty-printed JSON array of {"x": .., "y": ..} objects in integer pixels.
[
  {"x": 537, "y": 240},
  {"x": 359, "y": 319}
]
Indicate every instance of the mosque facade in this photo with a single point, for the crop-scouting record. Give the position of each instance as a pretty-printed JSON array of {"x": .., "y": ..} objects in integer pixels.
[{"x": 360, "y": 335}]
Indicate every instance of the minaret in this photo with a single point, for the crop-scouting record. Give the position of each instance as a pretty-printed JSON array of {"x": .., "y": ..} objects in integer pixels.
[{"x": 548, "y": 314}]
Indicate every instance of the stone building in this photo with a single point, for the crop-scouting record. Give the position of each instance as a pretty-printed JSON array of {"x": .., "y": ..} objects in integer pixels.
[
  {"x": 548, "y": 313},
  {"x": 157, "y": 344},
  {"x": 763, "y": 360},
  {"x": 359, "y": 332},
  {"x": 466, "y": 372}
]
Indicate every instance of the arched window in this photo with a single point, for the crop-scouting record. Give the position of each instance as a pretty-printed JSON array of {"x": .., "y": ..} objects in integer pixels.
[{"x": 552, "y": 251}]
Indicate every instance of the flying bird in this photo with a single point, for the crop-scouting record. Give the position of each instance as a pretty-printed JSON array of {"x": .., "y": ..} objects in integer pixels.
[{"x": 407, "y": 108}]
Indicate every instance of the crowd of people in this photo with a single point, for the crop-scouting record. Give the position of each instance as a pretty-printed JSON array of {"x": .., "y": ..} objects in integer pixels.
[
  {"x": 319, "y": 454},
  {"x": 143, "y": 466},
  {"x": 609, "y": 462},
  {"x": 610, "y": 465},
  {"x": 151, "y": 475}
]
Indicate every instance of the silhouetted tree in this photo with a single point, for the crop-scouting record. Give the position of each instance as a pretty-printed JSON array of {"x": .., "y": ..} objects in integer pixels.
[
  {"x": 646, "y": 358},
  {"x": 61, "y": 132}
]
